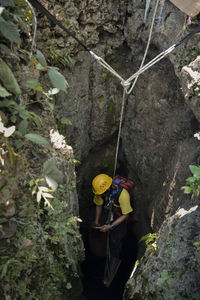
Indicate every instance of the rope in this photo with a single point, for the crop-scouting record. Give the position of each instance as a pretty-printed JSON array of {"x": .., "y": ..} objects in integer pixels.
[
  {"x": 109, "y": 68},
  {"x": 125, "y": 83},
  {"x": 128, "y": 91},
  {"x": 34, "y": 24},
  {"x": 119, "y": 132},
  {"x": 147, "y": 47}
]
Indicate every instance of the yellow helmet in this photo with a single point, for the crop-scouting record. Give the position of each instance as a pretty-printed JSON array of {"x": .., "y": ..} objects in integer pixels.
[{"x": 101, "y": 183}]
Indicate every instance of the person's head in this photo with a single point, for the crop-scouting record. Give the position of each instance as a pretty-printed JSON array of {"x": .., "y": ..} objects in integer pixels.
[{"x": 101, "y": 183}]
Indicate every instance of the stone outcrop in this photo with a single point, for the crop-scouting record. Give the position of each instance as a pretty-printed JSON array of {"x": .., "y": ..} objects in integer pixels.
[
  {"x": 169, "y": 268},
  {"x": 157, "y": 142}
]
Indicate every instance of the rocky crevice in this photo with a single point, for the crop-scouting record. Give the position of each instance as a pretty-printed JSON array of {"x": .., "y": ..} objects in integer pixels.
[{"x": 157, "y": 141}]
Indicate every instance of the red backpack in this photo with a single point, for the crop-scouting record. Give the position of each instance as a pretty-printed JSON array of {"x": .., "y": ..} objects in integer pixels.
[{"x": 126, "y": 184}]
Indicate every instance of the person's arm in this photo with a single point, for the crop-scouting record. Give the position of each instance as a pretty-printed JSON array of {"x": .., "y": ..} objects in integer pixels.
[
  {"x": 118, "y": 221},
  {"x": 98, "y": 214}
]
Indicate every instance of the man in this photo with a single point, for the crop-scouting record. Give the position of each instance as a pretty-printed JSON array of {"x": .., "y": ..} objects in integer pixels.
[{"x": 111, "y": 201}]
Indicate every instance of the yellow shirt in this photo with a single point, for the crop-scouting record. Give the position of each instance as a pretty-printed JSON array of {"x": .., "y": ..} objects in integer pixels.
[{"x": 124, "y": 201}]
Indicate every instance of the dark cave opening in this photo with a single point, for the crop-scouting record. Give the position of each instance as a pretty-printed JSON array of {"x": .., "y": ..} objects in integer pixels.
[
  {"x": 93, "y": 268},
  {"x": 95, "y": 259}
]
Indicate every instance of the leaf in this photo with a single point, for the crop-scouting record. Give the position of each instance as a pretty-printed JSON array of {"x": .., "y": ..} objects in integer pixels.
[
  {"x": 36, "y": 138},
  {"x": 40, "y": 57},
  {"x": 69, "y": 285},
  {"x": 6, "y": 3},
  {"x": 53, "y": 91},
  {"x": 40, "y": 67},
  {"x": 191, "y": 180},
  {"x": 65, "y": 121},
  {"x": 31, "y": 182},
  {"x": 34, "y": 84},
  {"x": 5, "y": 49},
  {"x": 9, "y": 31},
  {"x": 50, "y": 169},
  {"x": 36, "y": 119},
  {"x": 57, "y": 80},
  {"x": 196, "y": 243},
  {"x": 39, "y": 195},
  {"x": 51, "y": 183},
  {"x": 187, "y": 189},
  {"x": 18, "y": 144},
  {"x": 8, "y": 79},
  {"x": 7, "y": 103},
  {"x": 9, "y": 131},
  {"x": 4, "y": 92},
  {"x": 22, "y": 127},
  {"x": 43, "y": 189},
  {"x": 195, "y": 170},
  {"x": 47, "y": 195},
  {"x": 24, "y": 114}
]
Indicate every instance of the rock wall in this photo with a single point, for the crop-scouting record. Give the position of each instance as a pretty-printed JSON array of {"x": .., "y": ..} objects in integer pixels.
[
  {"x": 40, "y": 244},
  {"x": 157, "y": 142}
]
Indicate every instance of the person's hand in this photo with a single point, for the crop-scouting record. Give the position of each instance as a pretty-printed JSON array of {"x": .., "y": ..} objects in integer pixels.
[
  {"x": 95, "y": 225},
  {"x": 105, "y": 228}
]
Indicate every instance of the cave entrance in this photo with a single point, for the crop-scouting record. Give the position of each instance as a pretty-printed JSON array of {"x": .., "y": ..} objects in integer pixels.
[
  {"x": 95, "y": 256},
  {"x": 93, "y": 271}
]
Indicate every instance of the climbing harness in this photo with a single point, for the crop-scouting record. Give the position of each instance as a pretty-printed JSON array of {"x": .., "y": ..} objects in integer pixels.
[{"x": 128, "y": 84}]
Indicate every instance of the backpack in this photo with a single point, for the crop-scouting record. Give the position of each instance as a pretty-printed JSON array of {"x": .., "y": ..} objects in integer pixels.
[{"x": 126, "y": 184}]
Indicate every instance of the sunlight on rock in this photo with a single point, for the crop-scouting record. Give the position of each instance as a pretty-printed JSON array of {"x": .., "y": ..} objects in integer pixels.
[
  {"x": 197, "y": 136},
  {"x": 182, "y": 212},
  {"x": 59, "y": 142}
]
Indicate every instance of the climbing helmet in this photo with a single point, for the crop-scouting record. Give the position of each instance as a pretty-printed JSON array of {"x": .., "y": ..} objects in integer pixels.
[{"x": 101, "y": 183}]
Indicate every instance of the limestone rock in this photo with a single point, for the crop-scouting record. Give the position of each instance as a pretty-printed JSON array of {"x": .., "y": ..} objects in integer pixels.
[{"x": 172, "y": 270}]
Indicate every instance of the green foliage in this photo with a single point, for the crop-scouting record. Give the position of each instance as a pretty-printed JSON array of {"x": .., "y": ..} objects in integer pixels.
[
  {"x": 193, "y": 183},
  {"x": 17, "y": 110},
  {"x": 36, "y": 138},
  {"x": 3, "y": 92},
  {"x": 18, "y": 113},
  {"x": 6, "y": 3},
  {"x": 42, "y": 258},
  {"x": 57, "y": 80},
  {"x": 59, "y": 56},
  {"x": 197, "y": 244},
  {"x": 52, "y": 174},
  {"x": 104, "y": 76},
  {"x": 8, "y": 79},
  {"x": 62, "y": 123},
  {"x": 41, "y": 59},
  {"x": 9, "y": 31},
  {"x": 65, "y": 121},
  {"x": 149, "y": 238},
  {"x": 33, "y": 83},
  {"x": 41, "y": 192}
]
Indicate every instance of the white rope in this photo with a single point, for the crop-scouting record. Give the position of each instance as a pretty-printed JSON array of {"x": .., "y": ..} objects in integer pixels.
[
  {"x": 35, "y": 26},
  {"x": 147, "y": 47},
  {"x": 119, "y": 132},
  {"x": 128, "y": 90},
  {"x": 151, "y": 63},
  {"x": 109, "y": 68},
  {"x": 126, "y": 83}
]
